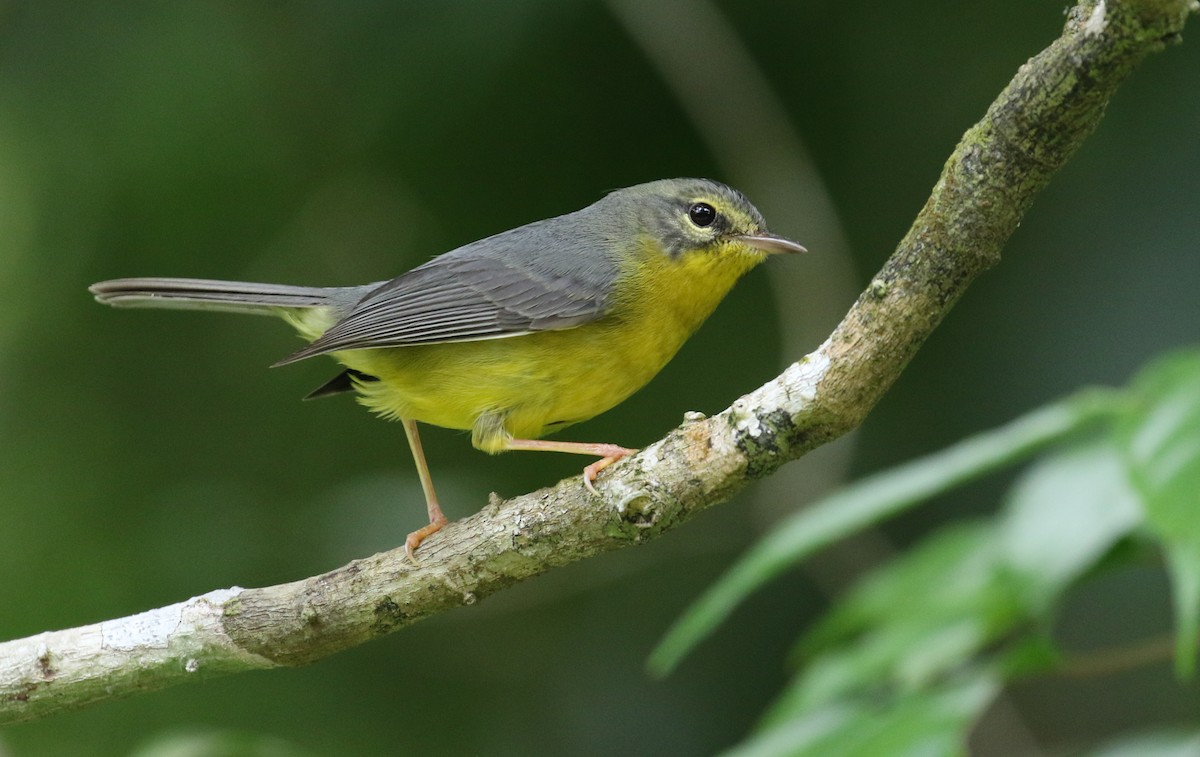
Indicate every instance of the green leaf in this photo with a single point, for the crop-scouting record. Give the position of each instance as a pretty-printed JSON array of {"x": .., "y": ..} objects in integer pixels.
[
  {"x": 1159, "y": 744},
  {"x": 950, "y": 570},
  {"x": 925, "y": 614},
  {"x": 809, "y": 734},
  {"x": 1161, "y": 446},
  {"x": 872, "y": 500},
  {"x": 904, "y": 658},
  {"x": 934, "y": 722},
  {"x": 1026, "y": 656},
  {"x": 1063, "y": 515}
]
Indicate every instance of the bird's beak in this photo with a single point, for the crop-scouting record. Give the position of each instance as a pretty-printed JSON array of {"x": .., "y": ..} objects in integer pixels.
[{"x": 770, "y": 243}]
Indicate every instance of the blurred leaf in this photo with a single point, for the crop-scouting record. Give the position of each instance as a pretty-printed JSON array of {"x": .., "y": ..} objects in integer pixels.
[
  {"x": 1063, "y": 515},
  {"x": 921, "y": 616},
  {"x": 934, "y": 723},
  {"x": 870, "y": 501},
  {"x": 902, "y": 658},
  {"x": 1028, "y": 656},
  {"x": 949, "y": 570},
  {"x": 807, "y": 734},
  {"x": 1158, "y": 744},
  {"x": 1162, "y": 452}
]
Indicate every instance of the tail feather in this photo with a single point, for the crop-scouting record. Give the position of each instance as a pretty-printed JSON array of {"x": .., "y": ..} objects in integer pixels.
[{"x": 231, "y": 296}]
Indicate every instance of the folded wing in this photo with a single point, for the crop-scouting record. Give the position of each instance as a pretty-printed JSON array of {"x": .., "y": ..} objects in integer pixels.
[{"x": 467, "y": 297}]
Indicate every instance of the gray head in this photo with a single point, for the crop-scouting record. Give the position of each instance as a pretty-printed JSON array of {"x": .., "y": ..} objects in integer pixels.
[{"x": 689, "y": 214}]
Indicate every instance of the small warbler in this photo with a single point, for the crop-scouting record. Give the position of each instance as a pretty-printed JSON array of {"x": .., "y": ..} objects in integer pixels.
[{"x": 520, "y": 334}]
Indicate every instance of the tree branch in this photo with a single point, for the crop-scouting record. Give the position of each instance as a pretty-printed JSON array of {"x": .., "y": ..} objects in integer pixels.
[{"x": 1054, "y": 101}]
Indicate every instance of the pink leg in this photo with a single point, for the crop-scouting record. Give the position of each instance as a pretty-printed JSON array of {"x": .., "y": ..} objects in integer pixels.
[
  {"x": 609, "y": 454},
  {"x": 436, "y": 519}
]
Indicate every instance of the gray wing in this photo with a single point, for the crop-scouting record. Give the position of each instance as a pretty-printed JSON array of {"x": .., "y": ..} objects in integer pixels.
[{"x": 525, "y": 280}]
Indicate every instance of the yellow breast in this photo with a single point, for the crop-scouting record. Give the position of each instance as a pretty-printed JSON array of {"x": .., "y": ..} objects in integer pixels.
[{"x": 526, "y": 386}]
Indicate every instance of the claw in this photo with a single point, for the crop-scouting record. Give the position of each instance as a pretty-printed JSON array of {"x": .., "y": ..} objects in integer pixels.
[
  {"x": 590, "y": 472},
  {"x": 413, "y": 540},
  {"x": 588, "y": 477}
]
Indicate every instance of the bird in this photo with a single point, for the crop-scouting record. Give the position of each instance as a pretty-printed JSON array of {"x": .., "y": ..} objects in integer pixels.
[{"x": 520, "y": 334}]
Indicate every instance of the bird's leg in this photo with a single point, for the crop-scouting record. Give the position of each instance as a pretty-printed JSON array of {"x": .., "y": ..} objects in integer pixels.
[
  {"x": 436, "y": 519},
  {"x": 609, "y": 454}
]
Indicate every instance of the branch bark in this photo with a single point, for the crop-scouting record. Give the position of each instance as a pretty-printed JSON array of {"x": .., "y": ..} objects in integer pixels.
[{"x": 1034, "y": 126}]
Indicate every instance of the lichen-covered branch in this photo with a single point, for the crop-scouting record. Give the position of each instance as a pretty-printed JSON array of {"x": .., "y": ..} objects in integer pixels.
[{"x": 1033, "y": 127}]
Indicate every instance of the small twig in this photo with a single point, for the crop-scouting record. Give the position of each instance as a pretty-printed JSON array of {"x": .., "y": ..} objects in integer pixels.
[{"x": 1113, "y": 660}]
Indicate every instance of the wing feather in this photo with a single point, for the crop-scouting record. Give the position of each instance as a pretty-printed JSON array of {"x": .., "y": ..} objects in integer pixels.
[{"x": 524, "y": 280}]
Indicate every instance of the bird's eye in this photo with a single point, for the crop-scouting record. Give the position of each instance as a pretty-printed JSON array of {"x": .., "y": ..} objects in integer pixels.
[{"x": 702, "y": 214}]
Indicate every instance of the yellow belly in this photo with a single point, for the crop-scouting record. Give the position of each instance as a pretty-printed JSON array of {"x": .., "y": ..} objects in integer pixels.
[{"x": 521, "y": 386}]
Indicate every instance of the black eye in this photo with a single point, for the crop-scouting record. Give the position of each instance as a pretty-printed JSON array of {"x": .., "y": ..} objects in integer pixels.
[{"x": 702, "y": 214}]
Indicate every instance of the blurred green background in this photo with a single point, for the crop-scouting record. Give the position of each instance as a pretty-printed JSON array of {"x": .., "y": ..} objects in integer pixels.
[{"x": 149, "y": 457}]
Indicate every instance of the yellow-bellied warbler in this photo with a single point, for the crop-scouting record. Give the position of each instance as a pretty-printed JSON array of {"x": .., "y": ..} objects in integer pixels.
[{"x": 519, "y": 334}]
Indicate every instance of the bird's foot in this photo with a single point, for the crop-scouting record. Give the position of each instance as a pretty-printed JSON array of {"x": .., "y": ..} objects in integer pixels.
[
  {"x": 413, "y": 540},
  {"x": 612, "y": 453}
]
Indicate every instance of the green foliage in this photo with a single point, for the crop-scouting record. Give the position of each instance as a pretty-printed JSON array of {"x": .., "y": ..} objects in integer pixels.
[
  {"x": 914, "y": 653},
  {"x": 1161, "y": 744},
  {"x": 871, "y": 501},
  {"x": 926, "y": 723},
  {"x": 1161, "y": 445},
  {"x": 1062, "y": 516}
]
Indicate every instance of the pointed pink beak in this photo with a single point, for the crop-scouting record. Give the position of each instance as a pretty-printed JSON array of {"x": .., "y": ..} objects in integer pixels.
[{"x": 770, "y": 243}]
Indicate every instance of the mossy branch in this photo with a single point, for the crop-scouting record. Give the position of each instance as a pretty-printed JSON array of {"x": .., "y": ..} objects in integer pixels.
[{"x": 1036, "y": 124}]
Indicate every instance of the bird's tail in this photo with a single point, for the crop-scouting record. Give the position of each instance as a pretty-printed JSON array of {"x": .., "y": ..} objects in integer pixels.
[{"x": 229, "y": 296}]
